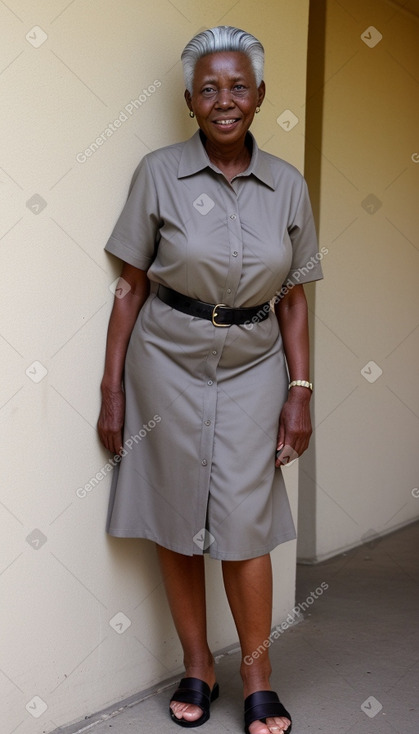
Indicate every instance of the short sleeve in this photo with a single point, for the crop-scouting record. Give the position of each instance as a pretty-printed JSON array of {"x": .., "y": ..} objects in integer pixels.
[
  {"x": 136, "y": 233},
  {"x": 306, "y": 258}
]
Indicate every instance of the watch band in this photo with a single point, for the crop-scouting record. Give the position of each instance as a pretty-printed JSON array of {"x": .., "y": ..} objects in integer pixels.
[{"x": 301, "y": 383}]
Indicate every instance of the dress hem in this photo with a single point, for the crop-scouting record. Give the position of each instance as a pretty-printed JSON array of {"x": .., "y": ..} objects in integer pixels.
[{"x": 218, "y": 556}]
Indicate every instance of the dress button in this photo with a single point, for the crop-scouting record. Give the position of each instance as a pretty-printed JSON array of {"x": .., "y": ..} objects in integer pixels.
[
  {"x": 214, "y": 351},
  {"x": 235, "y": 253},
  {"x": 207, "y": 423},
  {"x": 228, "y": 290},
  {"x": 209, "y": 382},
  {"x": 233, "y": 216},
  {"x": 204, "y": 462}
]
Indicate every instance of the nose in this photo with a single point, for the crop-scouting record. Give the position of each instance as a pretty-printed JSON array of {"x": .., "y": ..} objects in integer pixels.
[{"x": 225, "y": 98}]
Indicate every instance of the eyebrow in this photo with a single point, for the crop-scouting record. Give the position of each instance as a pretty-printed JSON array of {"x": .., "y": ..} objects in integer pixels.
[{"x": 211, "y": 80}]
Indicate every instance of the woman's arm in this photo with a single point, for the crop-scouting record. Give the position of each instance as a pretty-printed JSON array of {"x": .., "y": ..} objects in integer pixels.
[
  {"x": 123, "y": 317},
  {"x": 295, "y": 423}
]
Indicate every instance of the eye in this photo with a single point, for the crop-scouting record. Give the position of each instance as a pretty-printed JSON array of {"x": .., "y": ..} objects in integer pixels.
[
  {"x": 239, "y": 90},
  {"x": 208, "y": 91}
]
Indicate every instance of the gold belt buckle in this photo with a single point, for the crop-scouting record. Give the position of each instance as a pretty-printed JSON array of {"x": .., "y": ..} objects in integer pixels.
[{"x": 214, "y": 315}]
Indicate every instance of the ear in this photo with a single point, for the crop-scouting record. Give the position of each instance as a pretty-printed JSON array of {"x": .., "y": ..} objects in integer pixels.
[
  {"x": 261, "y": 93},
  {"x": 188, "y": 98}
]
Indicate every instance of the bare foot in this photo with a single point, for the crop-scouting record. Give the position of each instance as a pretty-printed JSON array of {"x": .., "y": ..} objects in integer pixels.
[
  {"x": 274, "y": 724},
  {"x": 188, "y": 711},
  {"x": 277, "y": 725}
]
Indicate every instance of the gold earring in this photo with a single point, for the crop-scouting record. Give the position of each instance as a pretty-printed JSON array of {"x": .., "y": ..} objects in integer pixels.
[
  {"x": 191, "y": 113},
  {"x": 257, "y": 110}
]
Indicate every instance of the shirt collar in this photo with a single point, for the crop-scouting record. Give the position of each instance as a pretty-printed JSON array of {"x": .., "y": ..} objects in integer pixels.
[{"x": 194, "y": 158}]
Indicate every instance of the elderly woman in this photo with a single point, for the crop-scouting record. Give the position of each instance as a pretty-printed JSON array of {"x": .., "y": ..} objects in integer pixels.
[{"x": 207, "y": 365}]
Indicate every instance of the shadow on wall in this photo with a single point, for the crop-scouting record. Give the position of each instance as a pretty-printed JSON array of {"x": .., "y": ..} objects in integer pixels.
[{"x": 312, "y": 172}]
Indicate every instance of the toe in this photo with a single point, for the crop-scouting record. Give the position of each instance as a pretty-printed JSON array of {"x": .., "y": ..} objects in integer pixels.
[
  {"x": 186, "y": 711},
  {"x": 278, "y": 725},
  {"x": 258, "y": 727}
]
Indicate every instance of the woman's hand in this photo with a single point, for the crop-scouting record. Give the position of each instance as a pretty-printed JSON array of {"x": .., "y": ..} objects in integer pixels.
[
  {"x": 111, "y": 419},
  {"x": 294, "y": 424}
]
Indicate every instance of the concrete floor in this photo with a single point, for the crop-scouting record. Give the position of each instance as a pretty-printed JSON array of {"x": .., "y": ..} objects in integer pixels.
[{"x": 351, "y": 665}]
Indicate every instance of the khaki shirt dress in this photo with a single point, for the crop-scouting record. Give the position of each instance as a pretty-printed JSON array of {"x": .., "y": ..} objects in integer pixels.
[{"x": 203, "y": 402}]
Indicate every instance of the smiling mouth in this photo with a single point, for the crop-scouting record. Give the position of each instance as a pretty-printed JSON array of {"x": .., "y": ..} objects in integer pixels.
[{"x": 226, "y": 122}]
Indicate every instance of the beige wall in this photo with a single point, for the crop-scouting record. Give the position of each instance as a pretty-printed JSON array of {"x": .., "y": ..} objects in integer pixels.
[
  {"x": 67, "y": 70},
  {"x": 360, "y": 478}
]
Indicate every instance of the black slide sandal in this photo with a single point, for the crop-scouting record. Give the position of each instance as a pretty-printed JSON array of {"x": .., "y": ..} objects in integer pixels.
[
  {"x": 262, "y": 705},
  {"x": 198, "y": 693}
]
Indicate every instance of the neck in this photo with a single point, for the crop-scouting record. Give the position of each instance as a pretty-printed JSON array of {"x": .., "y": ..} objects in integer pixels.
[{"x": 237, "y": 154}]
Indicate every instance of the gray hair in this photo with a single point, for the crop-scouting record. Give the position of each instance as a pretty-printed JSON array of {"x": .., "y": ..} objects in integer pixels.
[{"x": 222, "y": 38}]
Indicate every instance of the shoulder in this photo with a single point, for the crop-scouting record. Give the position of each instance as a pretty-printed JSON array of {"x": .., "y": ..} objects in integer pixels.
[
  {"x": 168, "y": 156},
  {"x": 287, "y": 181},
  {"x": 161, "y": 163},
  {"x": 167, "y": 151}
]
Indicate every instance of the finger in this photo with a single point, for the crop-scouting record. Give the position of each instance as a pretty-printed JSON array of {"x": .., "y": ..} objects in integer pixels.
[
  {"x": 281, "y": 437},
  {"x": 106, "y": 438},
  {"x": 279, "y": 450},
  {"x": 106, "y": 441},
  {"x": 288, "y": 455},
  {"x": 116, "y": 442}
]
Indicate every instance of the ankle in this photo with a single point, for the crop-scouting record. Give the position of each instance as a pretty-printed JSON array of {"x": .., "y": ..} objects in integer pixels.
[
  {"x": 199, "y": 659},
  {"x": 200, "y": 666},
  {"x": 255, "y": 677}
]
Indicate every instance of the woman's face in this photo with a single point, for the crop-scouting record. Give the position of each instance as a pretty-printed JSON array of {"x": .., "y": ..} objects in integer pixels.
[{"x": 224, "y": 96}]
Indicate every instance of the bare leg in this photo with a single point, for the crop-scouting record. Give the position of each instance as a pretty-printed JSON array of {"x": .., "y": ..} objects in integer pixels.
[
  {"x": 184, "y": 579},
  {"x": 248, "y": 586}
]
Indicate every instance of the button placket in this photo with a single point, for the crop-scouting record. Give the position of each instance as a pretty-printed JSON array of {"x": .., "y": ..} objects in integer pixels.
[
  {"x": 209, "y": 407},
  {"x": 235, "y": 247}
]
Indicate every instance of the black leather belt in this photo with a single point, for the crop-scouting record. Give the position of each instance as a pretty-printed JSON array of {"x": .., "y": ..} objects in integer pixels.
[{"x": 218, "y": 313}]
